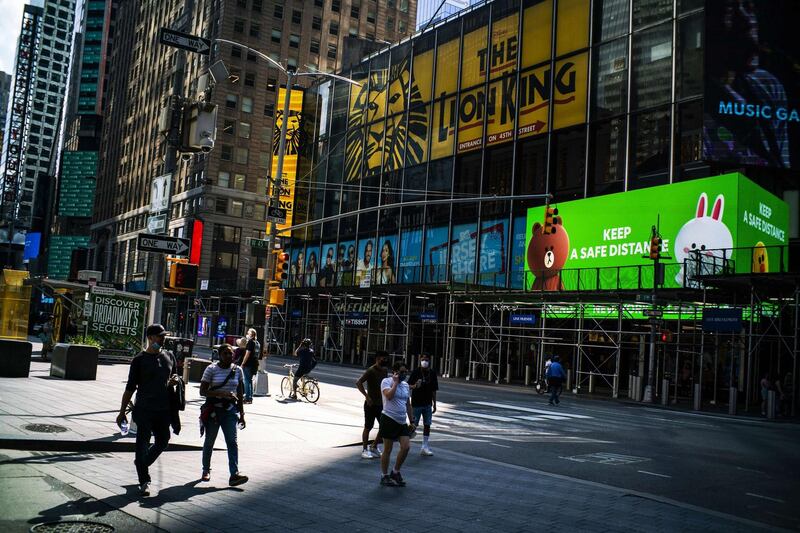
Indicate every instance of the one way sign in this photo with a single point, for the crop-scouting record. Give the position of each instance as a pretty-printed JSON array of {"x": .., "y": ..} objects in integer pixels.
[
  {"x": 163, "y": 244},
  {"x": 185, "y": 41}
]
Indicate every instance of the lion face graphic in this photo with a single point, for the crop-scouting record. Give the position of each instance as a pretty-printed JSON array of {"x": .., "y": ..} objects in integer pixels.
[{"x": 294, "y": 132}]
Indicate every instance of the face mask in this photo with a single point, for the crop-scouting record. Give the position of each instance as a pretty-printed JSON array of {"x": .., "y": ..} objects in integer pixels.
[
  {"x": 156, "y": 346},
  {"x": 425, "y": 364}
]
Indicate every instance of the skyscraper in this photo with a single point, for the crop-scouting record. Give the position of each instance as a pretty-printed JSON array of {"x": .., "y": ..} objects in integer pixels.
[
  {"x": 225, "y": 188},
  {"x": 42, "y": 63},
  {"x": 5, "y": 91},
  {"x": 427, "y": 8}
]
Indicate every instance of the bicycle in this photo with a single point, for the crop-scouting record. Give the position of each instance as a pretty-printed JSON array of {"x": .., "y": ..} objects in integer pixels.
[
  {"x": 308, "y": 387},
  {"x": 541, "y": 385}
]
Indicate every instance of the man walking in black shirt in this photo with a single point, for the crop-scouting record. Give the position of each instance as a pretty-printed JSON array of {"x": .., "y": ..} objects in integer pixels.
[
  {"x": 151, "y": 374},
  {"x": 424, "y": 384}
]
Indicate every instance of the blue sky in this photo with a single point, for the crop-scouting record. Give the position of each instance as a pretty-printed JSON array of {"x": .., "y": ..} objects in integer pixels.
[{"x": 9, "y": 31}]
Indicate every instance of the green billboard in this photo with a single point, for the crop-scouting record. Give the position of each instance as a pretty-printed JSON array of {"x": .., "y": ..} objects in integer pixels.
[
  {"x": 117, "y": 319},
  {"x": 707, "y": 225}
]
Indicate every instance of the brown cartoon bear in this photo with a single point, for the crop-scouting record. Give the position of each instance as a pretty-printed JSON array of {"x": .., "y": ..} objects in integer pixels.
[{"x": 547, "y": 254}]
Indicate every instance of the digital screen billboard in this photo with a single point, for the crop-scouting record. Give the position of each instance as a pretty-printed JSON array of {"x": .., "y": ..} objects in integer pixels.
[
  {"x": 700, "y": 221},
  {"x": 752, "y": 86}
]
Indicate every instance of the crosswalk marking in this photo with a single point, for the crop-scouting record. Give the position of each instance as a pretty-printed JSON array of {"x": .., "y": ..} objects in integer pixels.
[
  {"x": 529, "y": 410},
  {"x": 480, "y": 415},
  {"x": 542, "y": 417}
]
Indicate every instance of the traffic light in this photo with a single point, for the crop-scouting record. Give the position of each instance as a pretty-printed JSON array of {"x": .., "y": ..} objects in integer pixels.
[
  {"x": 276, "y": 296},
  {"x": 655, "y": 247},
  {"x": 183, "y": 276},
  {"x": 666, "y": 335},
  {"x": 281, "y": 266},
  {"x": 550, "y": 214}
]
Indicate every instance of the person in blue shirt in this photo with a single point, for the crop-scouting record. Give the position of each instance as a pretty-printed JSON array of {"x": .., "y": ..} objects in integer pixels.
[{"x": 555, "y": 378}]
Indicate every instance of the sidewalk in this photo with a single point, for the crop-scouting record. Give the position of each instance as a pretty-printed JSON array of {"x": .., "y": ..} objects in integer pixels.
[{"x": 303, "y": 477}]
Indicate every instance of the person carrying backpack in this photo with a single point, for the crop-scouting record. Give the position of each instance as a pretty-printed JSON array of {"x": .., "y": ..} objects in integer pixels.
[{"x": 250, "y": 363}]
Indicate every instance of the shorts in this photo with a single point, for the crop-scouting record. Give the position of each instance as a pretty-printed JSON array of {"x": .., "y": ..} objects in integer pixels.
[
  {"x": 371, "y": 414},
  {"x": 392, "y": 429},
  {"x": 426, "y": 412}
]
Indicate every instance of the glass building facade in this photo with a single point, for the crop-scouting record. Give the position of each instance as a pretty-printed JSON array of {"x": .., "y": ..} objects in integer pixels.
[{"x": 510, "y": 99}]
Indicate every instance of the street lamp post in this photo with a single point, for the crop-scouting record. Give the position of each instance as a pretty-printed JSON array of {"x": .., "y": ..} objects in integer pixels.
[{"x": 276, "y": 180}]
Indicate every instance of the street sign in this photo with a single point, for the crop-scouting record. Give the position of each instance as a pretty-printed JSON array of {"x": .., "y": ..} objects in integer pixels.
[
  {"x": 258, "y": 243},
  {"x": 104, "y": 291},
  {"x": 276, "y": 214},
  {"x": 159, "y": 193},
  {"x": 203, "y": 284},
  {"x": 722, "y": 320},
  {"x": 428, "y": 317},
  {"x": 156, "y": 223},
  {"x": 529, "y": 319},
  {"x": 653, "y": 312},
  {"x": 184, "y": 41},
  {"x": 162, "y": 244}
]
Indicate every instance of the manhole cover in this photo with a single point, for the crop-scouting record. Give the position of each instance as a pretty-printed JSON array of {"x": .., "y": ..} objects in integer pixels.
[
  {"x": 72, "y": 527},
  {"x": 44, "y": 428}
]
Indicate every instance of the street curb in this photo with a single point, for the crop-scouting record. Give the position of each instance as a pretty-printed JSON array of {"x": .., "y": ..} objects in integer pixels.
[{"x": 52, "y": 445}]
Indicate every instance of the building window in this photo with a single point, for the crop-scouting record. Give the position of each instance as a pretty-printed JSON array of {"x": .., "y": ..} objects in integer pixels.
[
  {"x": 404, "y": 6},
  {"x": 319, "y": 3},
  {"x": 331, "y": 51},
  {"x": 355, "y": 11},
  {"x": 260, "y": 212},
  {"x": 316, "y": 23},
  {"x": 228, "y": 126},
  {"x": 241, "y": 3},
  {"x": 257, "y": 6},
  {"x": 353, "y": 31},
  {"x": 652, "y": 67},
  {"x": 269, "y": 110},
  {"x": 334, "y": 28},
  {"x": 272, "y": 83},
  {"x": 648, "y": 12},
  {"x": 294, "y": 41},
  {"x": 276, "y": 36},
  {"x": 236, "y": 51},
  {"x": 292, "y": 63},
  {"x": 402, "y": 26},
  {"x": 237, "y": 208},
  {"x": 228, "y": 234},
  {"x": 226, "y": 152},
  {"x": 278, "y": 12},
  {"x": 221, "y": 206},
  {"x": 610, "y": 79},
  {"x": 689, "y": 60},
  {"x": 255, "y": 29},
  {"x": 251, "y": 56},
  {"x": 611, "y": 19},
  {"x": 649, "y": 149},
  {"x": 390, "y": 4},
  {"x": 261, "y": 186},
  {"x": 244, "y": 130},
  {"x": 238, "y": 26},
  {"x": 389, "y": 24},
  {"x": 247, "y": 104},
  {"x": 263, "y": 159},
  {"x": 297, "y": 17},
  {"x": 608, "y": 157},
  {"x": 336, "y": 5},
  {"x": 226, "y": 260},
  {"x": 314, "y": 47},
  {"x": 689, "y": 134},
  {"x": 230, "y": 101},
  {"x": 239, "y": 181},
  {"x": 224, "y": 179},
  {"x": 250, "y": 79},
  {"x": 241, "y": 156},
  {"x": 371, "y": 17}
]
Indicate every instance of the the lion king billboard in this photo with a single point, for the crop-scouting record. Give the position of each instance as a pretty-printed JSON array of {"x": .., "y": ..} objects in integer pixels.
[{"x": 707, "y": 225}]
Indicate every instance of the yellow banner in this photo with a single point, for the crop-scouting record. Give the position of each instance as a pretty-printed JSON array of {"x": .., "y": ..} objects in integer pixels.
[
  {"x": 447, "y": 68},
  {"x": 537, "y": 32},
  {"x": 473, "y": 58},
  {"x": 572, "y": 32},
  {"x": 502, "y": 58},
  {"x": 444, "y": 127},
  {"x": 571, "y": 79},
  {"x": 471, "y": 110},
  {"x": 286, "y": 183},
  {"x": 534, "y": 101}
]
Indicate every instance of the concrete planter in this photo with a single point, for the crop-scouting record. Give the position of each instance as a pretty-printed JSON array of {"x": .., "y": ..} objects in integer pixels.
[
  {"x": 15, "y": 358},
  {"x": 74, "y": 361}
]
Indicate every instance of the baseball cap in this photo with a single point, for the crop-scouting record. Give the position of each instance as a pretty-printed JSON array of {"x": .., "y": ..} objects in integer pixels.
[{"x": 155, "y": 330}]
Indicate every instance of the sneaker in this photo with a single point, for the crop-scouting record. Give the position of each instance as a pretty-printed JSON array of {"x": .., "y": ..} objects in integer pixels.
[
  {"x": 388, "y": 481},
  {"x": 426, "y": 451},
  {"x": 398, "y": 479},
  {"x": 144, "y": 489},
  {"x": 237, "y": 479},
  {"x": 375, "y": 452},
  {"x": 366, "y": 454},
  {"x": 206, "y": 476},
  {"x": 293, "y": 396},
  {"x": 551, "y": 403}
]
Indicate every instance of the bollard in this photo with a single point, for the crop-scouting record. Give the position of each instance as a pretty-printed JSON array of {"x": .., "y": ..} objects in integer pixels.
[
  {"x": 771, "y": 404},
  {"x": 638, "y": 391},
  {"x": 508, "y": 373},
  {"x": 732, "y": 398},
  {"x": 630, "y": 386},
  {"x": 697, "y": 400},
  {"x": 569, "y": 380},
  {"x": 591, "y": 383},
  {"x": 664, "y": 392},
  {"x": 458, "y": 367},
  {"x": 186, "y": 364},
  {"x": 261, "y": 387},
  {"x": 413, "y": 362},
  {"x": 527, "y": 375}
]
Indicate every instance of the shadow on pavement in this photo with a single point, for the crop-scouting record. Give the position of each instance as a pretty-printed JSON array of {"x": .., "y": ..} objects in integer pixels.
[
  {"x": 45, "y": 459},
  {"x": 177, "y": 493}
]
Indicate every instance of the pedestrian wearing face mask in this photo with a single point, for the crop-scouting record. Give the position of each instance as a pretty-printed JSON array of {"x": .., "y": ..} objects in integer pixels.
[
  {"x": 424, "y": 384},
  {"x": 373, "y": 401},
  {"x": 151, "y": 375},
  {"x": 396, "y": 410}
]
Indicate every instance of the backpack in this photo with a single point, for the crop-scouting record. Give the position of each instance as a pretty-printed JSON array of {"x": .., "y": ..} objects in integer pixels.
[{"x": 253, "y": 361}]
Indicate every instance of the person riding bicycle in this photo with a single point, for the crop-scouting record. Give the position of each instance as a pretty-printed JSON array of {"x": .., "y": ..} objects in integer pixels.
[{"x": 306, "y": 364}]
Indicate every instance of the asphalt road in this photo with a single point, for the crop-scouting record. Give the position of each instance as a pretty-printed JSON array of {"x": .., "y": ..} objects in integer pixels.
[{"x": 739, "y": 466}]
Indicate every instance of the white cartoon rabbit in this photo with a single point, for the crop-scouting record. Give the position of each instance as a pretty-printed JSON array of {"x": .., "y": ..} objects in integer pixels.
[{"x": 704, "y": 244}]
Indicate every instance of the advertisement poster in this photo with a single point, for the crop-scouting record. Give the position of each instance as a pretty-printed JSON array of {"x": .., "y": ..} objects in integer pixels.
[
  {"x": 700, "y": 222},
  {"x": 462, "y": 257},
  {"x": 297, "y": 267},
  {"x": 493, "y": 253},
  {"x": 752, "y": 91},
  {"x": 294, "y": 134},
  {"x": 327, "y": 270},
  {"x": 385, "y": 272},
  {"x": 311, "y": 274},
  {"x": 345, "y": 263},
  {"x": 518, "y": 253},
  {"x": 436, "y": 254},
  {"x": 411, "y": 256},
  {"x": 365, "y": 262},
  {"x": 118, "y": 321}
]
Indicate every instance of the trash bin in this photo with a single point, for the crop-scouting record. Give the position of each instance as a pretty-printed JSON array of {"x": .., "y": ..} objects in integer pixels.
[{"x": 180, "y": 347}]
